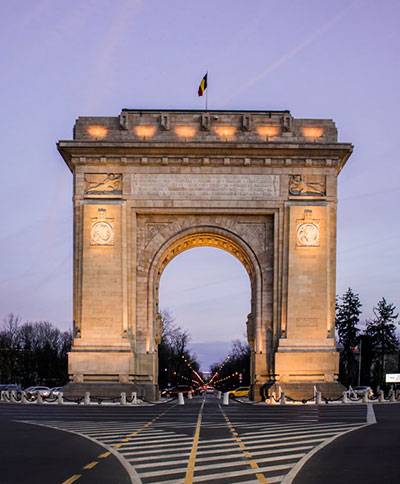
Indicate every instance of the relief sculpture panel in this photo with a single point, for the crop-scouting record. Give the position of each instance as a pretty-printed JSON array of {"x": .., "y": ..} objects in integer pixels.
[
  {"x": 98, "y": 184},
  {"x": 307, "y": 185}
]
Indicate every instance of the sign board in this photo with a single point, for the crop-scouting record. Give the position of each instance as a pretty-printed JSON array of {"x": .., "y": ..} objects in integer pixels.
[{"x": 392, "y": 377}]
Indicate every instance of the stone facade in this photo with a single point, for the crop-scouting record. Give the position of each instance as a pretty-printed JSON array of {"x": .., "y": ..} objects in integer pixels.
[{"x": 151, "y": 184}]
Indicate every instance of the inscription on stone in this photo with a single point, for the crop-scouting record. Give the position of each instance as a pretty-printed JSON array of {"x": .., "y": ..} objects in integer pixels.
[{"x": 205, "y": 187}]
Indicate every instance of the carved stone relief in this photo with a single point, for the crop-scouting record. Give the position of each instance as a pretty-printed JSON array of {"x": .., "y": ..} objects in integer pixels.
[
  {"x": 103, "y": 184},
  {"x": 307, "y": 185},
  {"x": 102, "y": 229},
  {"x": 308, "y": 231}
]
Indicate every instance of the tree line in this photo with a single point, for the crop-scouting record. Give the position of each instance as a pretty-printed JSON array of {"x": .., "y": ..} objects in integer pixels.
[
  {"x": 234, "y": 370},
  {"x": 366, "y": 355},
  {"x": 33, "y": 353},
  {"x": 177, "y": 365}
]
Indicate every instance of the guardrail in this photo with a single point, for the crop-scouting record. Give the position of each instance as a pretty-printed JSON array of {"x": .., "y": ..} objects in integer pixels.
[
  {"x": 27, "y": 398},
  {"x": 347, "y": 398}
]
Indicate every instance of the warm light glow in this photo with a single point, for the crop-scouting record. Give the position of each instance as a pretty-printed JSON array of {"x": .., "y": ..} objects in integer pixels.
[
  {"x": 97, "y": 131},
  {"x": 144, "y": 131},
  {"x": 268, "y": 131},
  {"x": 312, "y": 132},
  {"x": 225, "y": 132},
  {"x": 185, "y": 131}
]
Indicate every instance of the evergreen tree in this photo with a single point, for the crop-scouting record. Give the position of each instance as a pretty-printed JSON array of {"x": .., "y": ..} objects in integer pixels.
[
  {"x": 347, "y": 320},
  {"x": 382, "y": 333}
]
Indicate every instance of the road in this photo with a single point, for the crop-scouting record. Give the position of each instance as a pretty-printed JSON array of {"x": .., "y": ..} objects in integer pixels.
[{"x": 201, "y": 441}]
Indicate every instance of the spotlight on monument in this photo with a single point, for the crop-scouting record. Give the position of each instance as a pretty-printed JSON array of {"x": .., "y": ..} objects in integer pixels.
[
  {"x": 226, "y": 132},
  {"x": 96, "y": 131},
  {"x": 312, "y": 132},
  {"x": 268, "y": 131},
  {"x": 144, "y": 131},
  {"x": 185, "y": 131}
]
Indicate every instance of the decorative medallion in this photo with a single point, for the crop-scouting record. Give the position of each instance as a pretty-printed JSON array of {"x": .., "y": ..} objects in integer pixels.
[
  {"x": 308, "y": 234},
  {"x": 102, "y": 234},
  {"x": 102, "y": 231}
]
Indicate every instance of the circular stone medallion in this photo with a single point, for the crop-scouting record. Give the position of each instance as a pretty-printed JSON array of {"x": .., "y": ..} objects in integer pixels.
[
  {"x": 102, "y": 233},
  {"x": 308, "y": 235}
]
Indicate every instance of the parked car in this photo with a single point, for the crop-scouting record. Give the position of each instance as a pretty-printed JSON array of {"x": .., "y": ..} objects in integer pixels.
[
  {"x": 360, "y": 391},
  {"x": 34, "y": 391},
  {"x": 239, "y": 392},
  {"x": 10, "y": 388},
  {"x": 173, "y": 392},
  {"x": 54, "y": 392}
]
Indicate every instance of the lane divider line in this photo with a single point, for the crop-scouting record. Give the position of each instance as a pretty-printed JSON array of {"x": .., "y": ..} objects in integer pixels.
[
  {"x": 72, "y": 479},
  {"x": 246, "y": 454},
  {"x": 192, "y": 459},
  {"x": 105, "y": 455}
]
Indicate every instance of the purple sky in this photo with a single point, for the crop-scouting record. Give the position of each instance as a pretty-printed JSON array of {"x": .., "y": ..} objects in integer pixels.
[{"x": 63, "y": 59}]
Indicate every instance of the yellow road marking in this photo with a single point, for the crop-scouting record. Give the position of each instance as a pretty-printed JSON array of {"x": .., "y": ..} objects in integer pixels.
[
  {"x": 104, "y": 455},
  {"x": 72, "y": 479},
  {"x": 193, "y": 452},
  {"x": 252, "y": 463}
]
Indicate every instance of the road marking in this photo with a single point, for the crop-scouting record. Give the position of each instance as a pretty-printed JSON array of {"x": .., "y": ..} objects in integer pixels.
[
  {"x": 247, "y": 455},
  {"x": 105, "y": 455},
  {"x": 192, "y": 458},
  {"x": 72, "y": 479}
]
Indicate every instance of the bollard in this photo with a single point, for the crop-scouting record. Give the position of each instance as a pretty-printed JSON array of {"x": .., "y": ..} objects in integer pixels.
[
  {"x": 60, "y": 398},
  {"x": 381, "y": 396},
  {"x": 225, "y": 400},
  {"x": 180, "y": 399},
  {"x": 134, "y": 398},
  {"x": 318, "y": 398},
  {"x": 365, "y": 397},
  {"x": 345, "y": 398},
  {"x": 23, "y": 398},
  {"x": 393, "y": 396},
  {"x": 190, "y": 396},
  {"x": 219, "y": 394},
  {"x": 39, "y": 398},
  {"x": 123, "y": 398},
  {"x": 86, "y": 399},
  {"x": 13, "y": 396},
  {"x": 2, "y": 396},
  {"x": 282, "y": 400}
]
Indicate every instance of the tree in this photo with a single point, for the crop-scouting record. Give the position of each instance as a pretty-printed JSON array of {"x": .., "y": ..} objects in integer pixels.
[
  {"x": 177, "y": 365},
  {"x": 347, "y": 320},
  {"x": 381, "y": 331},
  {"x": 234, "y": 370},
  {"x": 33, "y": 353}
]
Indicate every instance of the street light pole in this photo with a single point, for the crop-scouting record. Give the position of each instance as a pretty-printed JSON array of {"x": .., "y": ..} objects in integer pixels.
[{"x": 359, "y": 364}]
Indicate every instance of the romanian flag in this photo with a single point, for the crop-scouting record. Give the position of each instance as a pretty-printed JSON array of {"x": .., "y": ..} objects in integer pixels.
[{"x": 203, "y": 85}]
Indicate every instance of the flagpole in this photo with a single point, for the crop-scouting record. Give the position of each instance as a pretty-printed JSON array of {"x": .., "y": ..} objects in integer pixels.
[{"x": 207, "y": 93}]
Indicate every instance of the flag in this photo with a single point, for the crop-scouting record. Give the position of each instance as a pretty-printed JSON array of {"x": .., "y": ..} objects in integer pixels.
[{"x": 203, "y": 85}]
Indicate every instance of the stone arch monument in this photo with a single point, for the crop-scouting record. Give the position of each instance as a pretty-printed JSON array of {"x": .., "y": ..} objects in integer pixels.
[{"x": 149, "y": 184}]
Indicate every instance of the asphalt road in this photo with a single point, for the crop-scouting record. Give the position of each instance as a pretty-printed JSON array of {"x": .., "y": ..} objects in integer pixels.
[
  {"x": 371, "y": 455},
  {"x": 201, "y": 441},
  {"x": 33, "y": 454}
]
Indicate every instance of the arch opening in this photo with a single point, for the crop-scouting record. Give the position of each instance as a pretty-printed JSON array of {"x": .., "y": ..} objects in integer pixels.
[{"x": 231, "y": 245}]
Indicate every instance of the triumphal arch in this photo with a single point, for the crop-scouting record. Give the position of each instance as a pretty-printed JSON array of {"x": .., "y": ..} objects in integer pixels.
[{"x": 149, "y": 184}]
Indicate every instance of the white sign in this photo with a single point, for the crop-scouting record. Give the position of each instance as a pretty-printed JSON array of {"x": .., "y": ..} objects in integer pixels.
[{"x": 392, "y": 377}]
